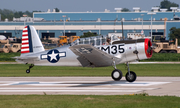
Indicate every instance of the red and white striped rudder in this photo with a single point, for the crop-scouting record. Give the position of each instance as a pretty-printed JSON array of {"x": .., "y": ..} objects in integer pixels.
[
  {"x": 25, "y": 41},
  {"x": 30, "y": 41}
]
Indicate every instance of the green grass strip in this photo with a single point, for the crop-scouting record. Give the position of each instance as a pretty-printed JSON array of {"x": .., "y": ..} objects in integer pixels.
[
  {"x": 88, "y": 101},
  {"x": 19, "y": 70},
  {"x": 164, "y": 57},
  {"x": 7, "y": 56}
]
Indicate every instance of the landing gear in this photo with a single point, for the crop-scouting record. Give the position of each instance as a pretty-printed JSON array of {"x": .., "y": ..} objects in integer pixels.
[
  {"x": 117, "y": 74},
  {"x": 28, "y": 70},
  {"x": 130, "y": 75}
]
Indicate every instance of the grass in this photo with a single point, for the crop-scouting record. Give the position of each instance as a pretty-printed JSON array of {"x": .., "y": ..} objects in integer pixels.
[
  {"x": 88, "y": 101},
  {"x": 18, "y": 70},
  {"x": 7, "y": 56},
  {"x": 164, "y": 57}
]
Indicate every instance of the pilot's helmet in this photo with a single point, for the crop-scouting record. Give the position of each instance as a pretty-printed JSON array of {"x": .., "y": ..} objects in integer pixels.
[{"x": 115, "y": 37}]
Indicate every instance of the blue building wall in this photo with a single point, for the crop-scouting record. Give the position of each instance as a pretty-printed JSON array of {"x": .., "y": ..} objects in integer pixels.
[
  {"x": 86, "y": 23},
  {"x": 58, "y": 33},
  {"x": 93, "y": 16}
]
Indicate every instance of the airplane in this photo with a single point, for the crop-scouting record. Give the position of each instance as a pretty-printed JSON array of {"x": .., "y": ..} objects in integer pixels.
[{"x": 85, "y": 55}]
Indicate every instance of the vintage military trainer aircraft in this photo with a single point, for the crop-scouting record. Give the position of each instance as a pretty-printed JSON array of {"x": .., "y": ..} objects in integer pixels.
[{"x": 87, "y": 52}]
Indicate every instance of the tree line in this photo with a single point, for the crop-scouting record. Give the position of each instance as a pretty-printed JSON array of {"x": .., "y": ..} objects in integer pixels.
[{"x": 9, "y": 14}]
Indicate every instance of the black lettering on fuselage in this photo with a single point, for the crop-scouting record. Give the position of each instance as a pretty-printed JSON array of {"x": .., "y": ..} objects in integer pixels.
[
  {"x": 105, "y": 49},
  {"x": 113, "y": 49},
  {"x": 121, "y": 50}
]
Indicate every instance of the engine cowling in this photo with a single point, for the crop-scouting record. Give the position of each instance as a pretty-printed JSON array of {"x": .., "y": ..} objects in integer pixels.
[
  {"x": 148, "y": 48},
  {"x": 144, "y": 49},
  {"x": 136, "y": 49}
]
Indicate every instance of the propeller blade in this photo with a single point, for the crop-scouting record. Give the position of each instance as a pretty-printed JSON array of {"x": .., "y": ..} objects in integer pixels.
[{"x": 149, "y": 49}]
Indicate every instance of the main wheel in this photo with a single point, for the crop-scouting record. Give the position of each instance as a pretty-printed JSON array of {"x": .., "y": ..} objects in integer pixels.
[
  {"x": 28, "y": 71},
  {"x": 130, "y": 77},
  {"x": 116, "y": 75}
]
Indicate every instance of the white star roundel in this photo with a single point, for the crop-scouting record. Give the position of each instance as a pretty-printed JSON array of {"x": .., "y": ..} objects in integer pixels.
[{"x": 53, "y": 55}]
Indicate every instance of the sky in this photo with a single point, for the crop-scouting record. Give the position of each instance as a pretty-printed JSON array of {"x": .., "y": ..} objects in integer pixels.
[{"x": 79, "y": 5}]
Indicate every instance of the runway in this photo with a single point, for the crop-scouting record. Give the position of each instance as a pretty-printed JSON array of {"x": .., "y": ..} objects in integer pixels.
[{"x": 158, "y": 86}]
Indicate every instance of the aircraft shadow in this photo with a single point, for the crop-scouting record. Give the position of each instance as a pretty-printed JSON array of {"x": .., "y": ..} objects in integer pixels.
[{"x": 90, "y": 84}]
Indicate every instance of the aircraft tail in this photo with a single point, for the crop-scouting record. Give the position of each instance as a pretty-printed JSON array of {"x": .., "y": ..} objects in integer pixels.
[{"x": 30, "y": 41}]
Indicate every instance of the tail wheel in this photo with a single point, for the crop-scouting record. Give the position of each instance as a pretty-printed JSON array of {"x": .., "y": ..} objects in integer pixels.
[
  {"x": 131, "y": 76},
  {"x": 116, "y": 75},
  {"x": 28, "y": 71}
]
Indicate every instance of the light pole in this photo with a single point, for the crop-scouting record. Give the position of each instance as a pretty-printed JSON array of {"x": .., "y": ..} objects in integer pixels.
[
  {"x": 151, "y": 13},
  {"x": 25, "y": 19},
  {"x": 64, "y": 16},
  {"x": 142, "y": 32},
  {"x": 99, "y": 20}
]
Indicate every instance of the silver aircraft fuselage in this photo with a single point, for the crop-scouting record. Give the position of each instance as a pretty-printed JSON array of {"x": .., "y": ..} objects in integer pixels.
[{"x": 123, "y": 53}]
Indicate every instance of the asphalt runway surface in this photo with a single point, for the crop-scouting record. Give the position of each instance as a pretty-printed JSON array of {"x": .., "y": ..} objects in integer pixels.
[{"x": 158, "y": 86}]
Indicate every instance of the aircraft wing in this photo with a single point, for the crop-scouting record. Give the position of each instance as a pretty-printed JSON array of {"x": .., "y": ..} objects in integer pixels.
[{"x": 90, "y": 56}]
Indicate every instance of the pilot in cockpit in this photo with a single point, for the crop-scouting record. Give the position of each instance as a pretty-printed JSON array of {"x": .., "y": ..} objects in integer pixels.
[{"x": 108, "y": 41}]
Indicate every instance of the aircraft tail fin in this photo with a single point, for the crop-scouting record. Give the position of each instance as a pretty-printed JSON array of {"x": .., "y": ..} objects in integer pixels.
[{"x": 30, "y": 41}]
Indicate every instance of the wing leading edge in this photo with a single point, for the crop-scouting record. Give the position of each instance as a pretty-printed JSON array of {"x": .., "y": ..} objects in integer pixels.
[{"x": 89, "y": 56}]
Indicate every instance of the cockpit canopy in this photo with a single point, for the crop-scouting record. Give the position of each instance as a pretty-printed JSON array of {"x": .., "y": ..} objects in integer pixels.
[{"x": 97, "y": 40}]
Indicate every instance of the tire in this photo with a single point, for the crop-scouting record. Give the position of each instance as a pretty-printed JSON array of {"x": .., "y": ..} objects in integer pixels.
[
  {"x": 163, "y": 51},
  {"x": 172, "y": 51},
  {"x": 131, "y": 77},
  {"x": 116, "y": 75},
  {"x": 28, "y": 71}
]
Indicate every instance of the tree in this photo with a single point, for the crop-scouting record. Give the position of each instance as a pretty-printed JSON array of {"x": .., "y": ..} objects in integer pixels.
[
  {"x": 29, "y": 14},
  {"x": 56, "y": 9},
  {"x": 174, "y": 33},
  {"x": 9, "y": 14},
  {"x": 125, "y": 10},
  {"x": 167, "y": 4}
]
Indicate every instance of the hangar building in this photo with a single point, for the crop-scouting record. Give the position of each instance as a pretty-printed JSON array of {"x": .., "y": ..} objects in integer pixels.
[{"x": 54, "y": 24}]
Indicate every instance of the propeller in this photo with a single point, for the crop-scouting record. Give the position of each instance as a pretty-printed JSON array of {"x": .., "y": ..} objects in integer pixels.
[{"x": 149, "y": 49}]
